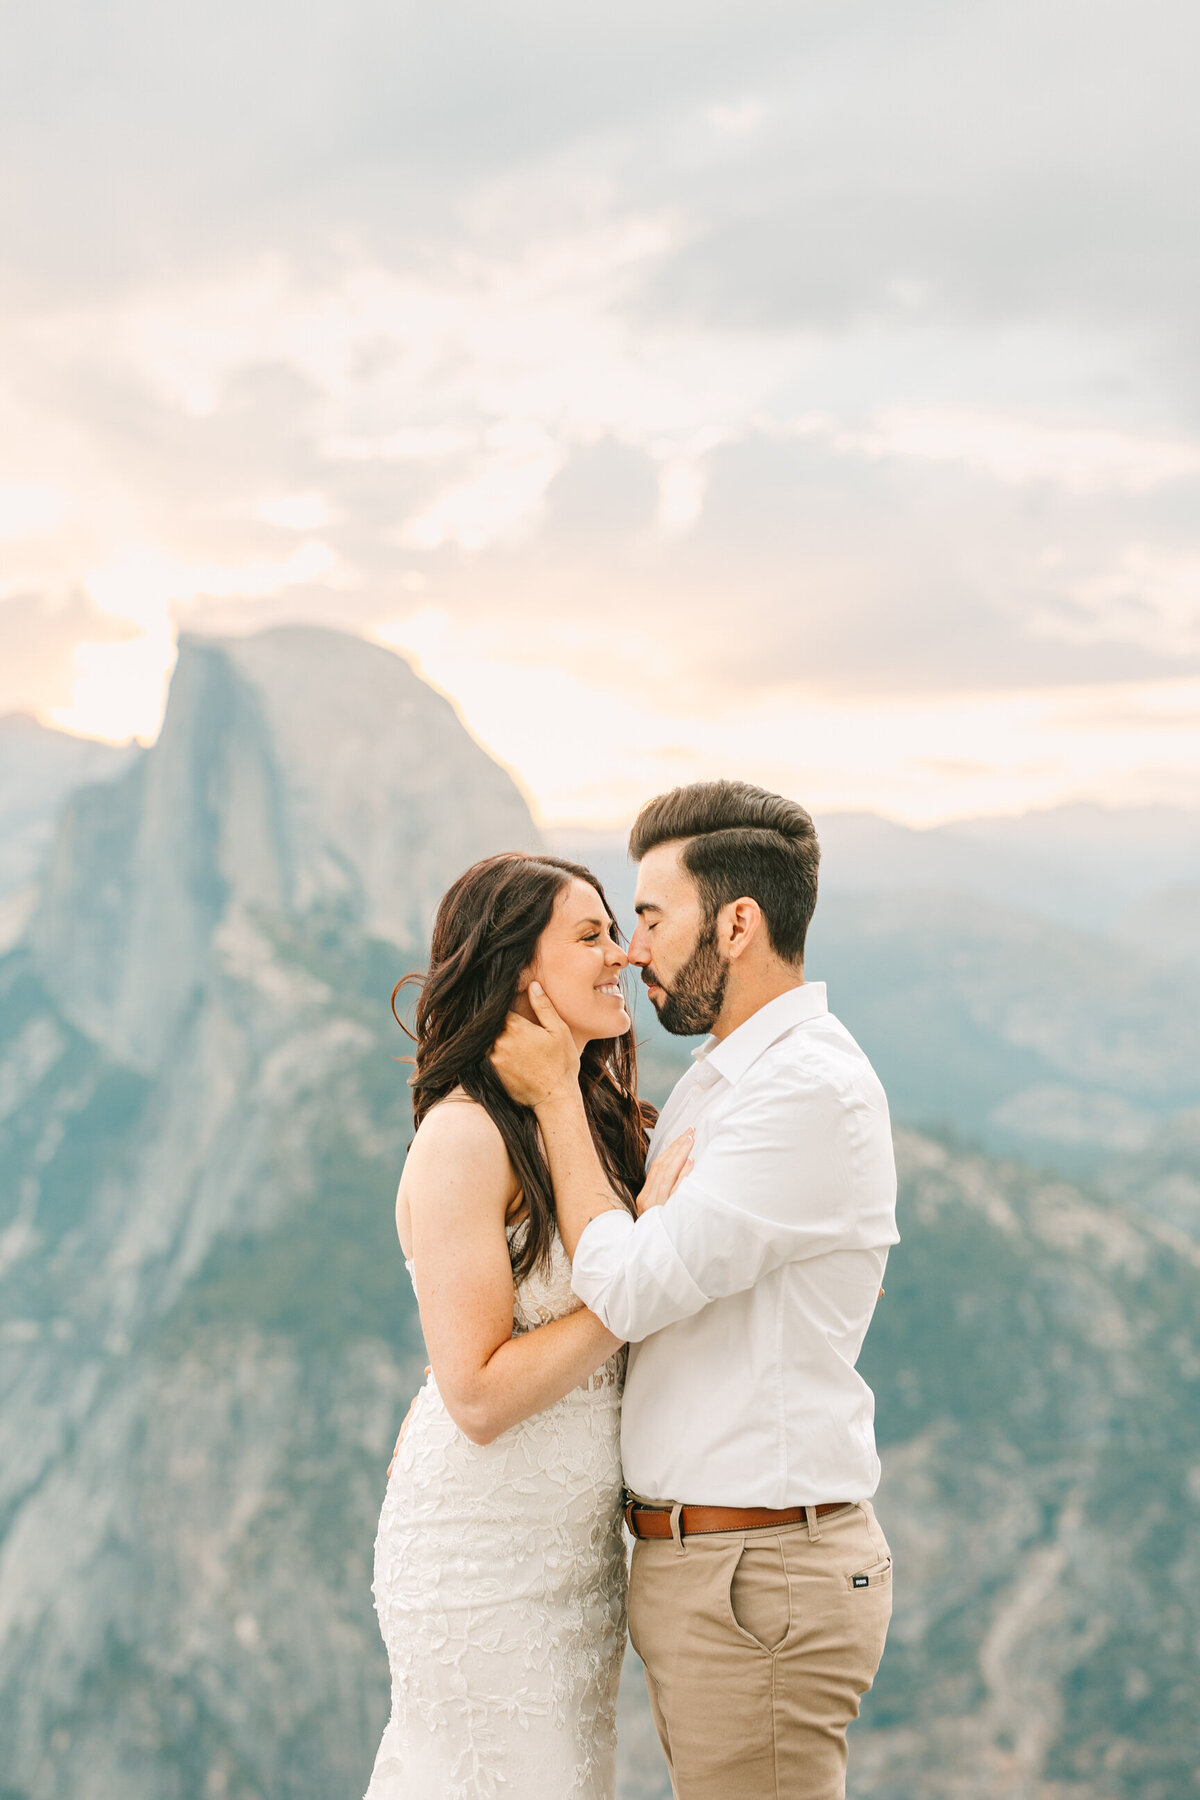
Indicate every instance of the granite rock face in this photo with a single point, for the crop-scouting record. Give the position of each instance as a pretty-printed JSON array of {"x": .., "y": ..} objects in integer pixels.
[
  {"x": 206, "y": 1339},
  {"x": 299, "y": 773},
  {"x": 39, "y": 770}
]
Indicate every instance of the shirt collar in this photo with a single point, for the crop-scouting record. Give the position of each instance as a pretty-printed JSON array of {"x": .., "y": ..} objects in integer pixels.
[{"x": 732, "y": 1056}]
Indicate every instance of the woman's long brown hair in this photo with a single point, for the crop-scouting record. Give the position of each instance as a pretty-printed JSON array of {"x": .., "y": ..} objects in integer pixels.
[{"x": 485, "y": 935}]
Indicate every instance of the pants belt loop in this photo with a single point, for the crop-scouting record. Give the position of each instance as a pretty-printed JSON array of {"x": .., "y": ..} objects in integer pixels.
[
  {"x": 814, "y": 1530},
  {"x": 677, "y": 1530}
]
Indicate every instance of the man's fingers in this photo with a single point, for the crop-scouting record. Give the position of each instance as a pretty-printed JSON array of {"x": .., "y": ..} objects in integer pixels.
[{"x": 543, "y": 1006}]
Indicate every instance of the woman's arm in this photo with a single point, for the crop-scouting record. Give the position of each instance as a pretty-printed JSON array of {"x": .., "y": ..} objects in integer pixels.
[{"x": 459, "y": 1185}]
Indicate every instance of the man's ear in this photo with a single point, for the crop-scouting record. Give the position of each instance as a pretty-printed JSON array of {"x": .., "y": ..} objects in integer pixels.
[{"x": 743, "y": 922}]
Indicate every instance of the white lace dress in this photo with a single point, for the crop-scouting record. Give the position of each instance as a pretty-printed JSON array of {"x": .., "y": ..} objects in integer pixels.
[{"x": 500, "y": 1587}]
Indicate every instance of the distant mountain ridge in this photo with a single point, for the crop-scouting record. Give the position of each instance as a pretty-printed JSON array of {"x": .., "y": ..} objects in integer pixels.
[
  {"x": 39, "y": 770},
  {"x": 1060, "y": 1042},
  {"x": 1083, "y": 865}
]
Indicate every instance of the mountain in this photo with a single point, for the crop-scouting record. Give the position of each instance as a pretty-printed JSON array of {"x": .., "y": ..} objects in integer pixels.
[
  {"x": 1081, "y": 865},
  {"x": 300, "y": 774},
  {"x": 1086, "y": 866},
  {"x": 1036, "y": 1360},
  {"x": 1161, "y": 1180},
  {"x": 207, "y": 1339},
  {"x": 1019, "y": 1033},
  {"x": 1166, "y": 922},
  {"x": 39, "y": 769},
  {"x": 1122, "y": 853},
  {"x": 1059, "y": 1042}
]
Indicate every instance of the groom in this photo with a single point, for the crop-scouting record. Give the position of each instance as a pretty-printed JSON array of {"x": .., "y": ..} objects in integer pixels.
[{"x": 760, "y": 1590}]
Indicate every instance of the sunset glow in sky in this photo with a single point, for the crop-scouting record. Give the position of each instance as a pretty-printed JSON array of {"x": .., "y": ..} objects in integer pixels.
[{"x": 806, "y": 393}]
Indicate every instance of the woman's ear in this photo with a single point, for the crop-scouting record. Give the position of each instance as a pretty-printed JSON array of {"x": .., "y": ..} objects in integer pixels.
[{"x": 521, "y": 1001}]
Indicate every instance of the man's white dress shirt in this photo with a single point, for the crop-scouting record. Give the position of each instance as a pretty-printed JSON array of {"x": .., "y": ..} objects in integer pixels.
[{"x": 746, "y": 1297}]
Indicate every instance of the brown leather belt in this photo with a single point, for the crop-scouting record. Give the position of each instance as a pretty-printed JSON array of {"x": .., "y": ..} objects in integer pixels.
[{"x": 655, "y": 1521}]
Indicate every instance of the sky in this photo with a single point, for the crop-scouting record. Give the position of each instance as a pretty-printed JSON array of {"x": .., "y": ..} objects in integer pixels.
[{"x": 803, "y": 392}]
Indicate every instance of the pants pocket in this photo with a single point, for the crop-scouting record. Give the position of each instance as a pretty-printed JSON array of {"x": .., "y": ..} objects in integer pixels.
[
  {"x": 760, "y": 1595},
  {"x": 876, "y": 1575}
]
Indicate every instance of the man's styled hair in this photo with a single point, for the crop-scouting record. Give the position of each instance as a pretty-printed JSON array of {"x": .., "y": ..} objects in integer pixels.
[{"x": 740, "y": 840}]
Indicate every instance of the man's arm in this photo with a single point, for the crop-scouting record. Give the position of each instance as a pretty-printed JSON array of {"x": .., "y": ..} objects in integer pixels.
[{"x": 772, "y": 1185}]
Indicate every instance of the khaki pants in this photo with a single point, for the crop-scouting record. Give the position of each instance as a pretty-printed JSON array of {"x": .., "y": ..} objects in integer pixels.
[{"x": 758, "y": 1646}]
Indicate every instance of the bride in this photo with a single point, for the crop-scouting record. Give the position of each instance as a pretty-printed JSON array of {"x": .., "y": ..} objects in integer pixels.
[{"x": 499, "y": 1563}]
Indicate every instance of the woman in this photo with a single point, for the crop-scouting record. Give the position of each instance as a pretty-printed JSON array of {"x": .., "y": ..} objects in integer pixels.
[{"x": 499, "y": 1564}]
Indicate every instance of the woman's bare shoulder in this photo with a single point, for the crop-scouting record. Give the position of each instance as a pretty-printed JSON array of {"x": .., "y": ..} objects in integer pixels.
[{"x": 459, "y": 1133}]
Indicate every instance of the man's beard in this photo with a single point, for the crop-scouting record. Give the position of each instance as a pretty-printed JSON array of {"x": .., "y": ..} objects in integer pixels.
[{"x": 692, "y": 1002}]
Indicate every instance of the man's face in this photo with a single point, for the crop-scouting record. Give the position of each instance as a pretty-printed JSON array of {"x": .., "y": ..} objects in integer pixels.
[{"x": 675, "y": 947}]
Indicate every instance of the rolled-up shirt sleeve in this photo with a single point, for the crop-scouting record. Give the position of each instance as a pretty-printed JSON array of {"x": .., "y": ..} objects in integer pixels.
[
  {"x": 631, "y": 1275},
  {"x": 771, "y": 1186}
]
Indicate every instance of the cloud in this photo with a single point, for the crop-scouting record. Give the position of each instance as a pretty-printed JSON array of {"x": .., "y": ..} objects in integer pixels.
[
  {"x": 29, "y": 508},
  {"x": 986, "y": 165},
  {"x": 39, "y": 645},
  {"x": 1082, "y": 459},
  {"x": 995, "y": 162},
  {"x": 743, "y": 353},
  {"x": 835, "y": 567}
]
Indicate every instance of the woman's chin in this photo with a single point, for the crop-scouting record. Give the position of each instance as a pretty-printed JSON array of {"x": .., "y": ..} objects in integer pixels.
[{"x": 615, "y": 1025}]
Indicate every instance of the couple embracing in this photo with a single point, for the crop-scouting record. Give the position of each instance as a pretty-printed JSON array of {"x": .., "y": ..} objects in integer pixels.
[{"x": 630, "y": 1323}]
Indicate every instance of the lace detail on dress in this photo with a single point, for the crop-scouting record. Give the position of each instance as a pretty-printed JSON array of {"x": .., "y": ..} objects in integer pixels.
[
  {"x": 500, "y": 1589},
  {"x": 539, "y": 1299}
]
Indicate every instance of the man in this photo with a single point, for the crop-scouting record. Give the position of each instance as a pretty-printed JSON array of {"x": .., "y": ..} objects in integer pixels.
[{"x": 760, "y": 1589}]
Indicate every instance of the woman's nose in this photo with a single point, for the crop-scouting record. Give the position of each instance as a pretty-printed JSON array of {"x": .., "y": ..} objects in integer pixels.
[{"x": 617, "y": 956}]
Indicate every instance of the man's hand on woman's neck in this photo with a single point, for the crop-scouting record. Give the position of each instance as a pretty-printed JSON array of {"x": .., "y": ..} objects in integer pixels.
[{"x": 539, "y": 1066}]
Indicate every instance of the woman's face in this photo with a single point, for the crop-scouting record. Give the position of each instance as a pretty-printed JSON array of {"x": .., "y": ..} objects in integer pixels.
[{"x": 578, "y": 963}]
